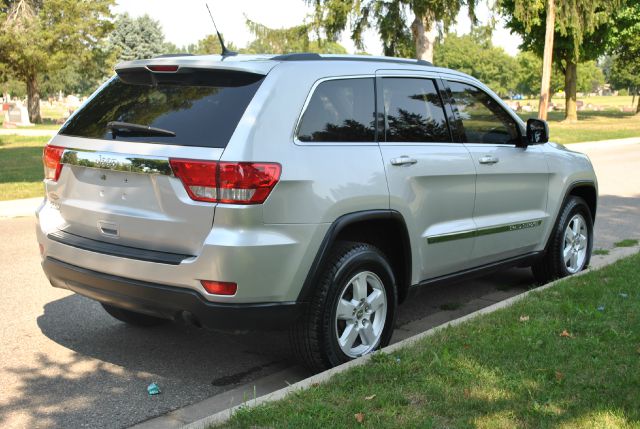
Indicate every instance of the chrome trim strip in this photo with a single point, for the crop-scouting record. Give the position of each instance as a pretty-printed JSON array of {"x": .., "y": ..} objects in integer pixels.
[
  {"x": 140, "y": 164},
  {"x": 483, "y": 231}
]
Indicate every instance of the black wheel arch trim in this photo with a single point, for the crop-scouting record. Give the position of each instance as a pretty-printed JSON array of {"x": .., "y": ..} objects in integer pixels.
[
  {"x": 332, "y": 234},
  {"x": 579, "y": 184},
  {"x": 567, "y": 194}
]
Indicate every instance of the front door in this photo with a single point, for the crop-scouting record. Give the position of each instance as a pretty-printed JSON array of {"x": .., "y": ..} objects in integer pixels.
[
  {"x": 512, "y": 181},
  {"x": 431, "y": 179}
]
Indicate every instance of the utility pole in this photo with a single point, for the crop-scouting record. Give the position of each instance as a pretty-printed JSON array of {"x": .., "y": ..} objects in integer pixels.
[{"x": 547, "y": 61}]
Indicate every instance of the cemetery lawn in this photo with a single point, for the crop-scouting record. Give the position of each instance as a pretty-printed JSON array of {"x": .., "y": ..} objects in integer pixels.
[
  {"x": 591, "y": 126},
  {"x": 567, "y": 357},
  {"x": 21, "y": 170}
]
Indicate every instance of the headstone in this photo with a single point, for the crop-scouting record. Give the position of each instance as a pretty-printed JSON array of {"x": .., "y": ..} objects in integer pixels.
[{"x": 16, "y": 115}]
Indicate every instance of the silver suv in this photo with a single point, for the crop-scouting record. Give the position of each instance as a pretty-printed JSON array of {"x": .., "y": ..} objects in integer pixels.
[{"x": 301, "y": 191}]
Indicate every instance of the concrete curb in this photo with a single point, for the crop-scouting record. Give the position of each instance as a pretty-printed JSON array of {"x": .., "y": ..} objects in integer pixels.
[{"x": 222, "y": 416}]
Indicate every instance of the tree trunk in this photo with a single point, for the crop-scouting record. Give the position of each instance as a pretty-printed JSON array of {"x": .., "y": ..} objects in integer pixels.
[
  {"x": 547, "y": 62},
  {"x": 638, "y": 107},
  {"x": 33, "y": 99},
  {"x": 570, "y": 89},
  {"x": 424, "y": 34}
]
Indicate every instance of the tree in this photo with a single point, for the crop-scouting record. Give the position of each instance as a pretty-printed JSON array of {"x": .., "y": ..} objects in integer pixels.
[
  {"x": 390, "y": 18},
  {"x": 210, "y": 45},
  {"x": 41, "y": 35},
  {"x": 590, "y": 77},
  {"x": 529, "y": 75},
  {"x": 474, "y": 54},
  {"x": 286, "y": 40},
  {"x": 624, "y": 45},
  {"x": 547, "y": 60},
  {"x": 136, "y": 38},
  {"x": 581, "y": 30}
]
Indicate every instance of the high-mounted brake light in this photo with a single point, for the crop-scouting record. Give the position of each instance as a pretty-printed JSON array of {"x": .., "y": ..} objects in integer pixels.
[
  {"x": 227, "y": 182},
  {"x": 51, "y": 160},
  {"x": 163, "y": 68}
]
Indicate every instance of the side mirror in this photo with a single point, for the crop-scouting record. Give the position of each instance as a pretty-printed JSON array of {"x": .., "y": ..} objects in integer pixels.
[{"x": 537, "y": 131}]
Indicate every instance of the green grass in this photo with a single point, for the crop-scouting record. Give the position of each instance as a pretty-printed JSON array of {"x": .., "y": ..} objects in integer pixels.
[
  {"x": 510, "y": 369},
  {"x": 626, "y": 243},
  {"x": 591, "y": 126},
  {"x": 600, "y": 252},
  {"x": 21, "y": 170}
]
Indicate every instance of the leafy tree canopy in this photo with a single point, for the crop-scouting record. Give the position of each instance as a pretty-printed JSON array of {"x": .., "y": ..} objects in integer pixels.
[
  {"x": 37, "y": 36},
  {"x": 474, "y": 54},
  {"x": 389, "y": 17},
  {"x": 286, "y": 40},
  {"x": 136, "y": 38}
]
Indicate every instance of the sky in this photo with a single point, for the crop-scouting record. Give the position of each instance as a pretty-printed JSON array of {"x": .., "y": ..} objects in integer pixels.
[{"x": 187, "y": 21}]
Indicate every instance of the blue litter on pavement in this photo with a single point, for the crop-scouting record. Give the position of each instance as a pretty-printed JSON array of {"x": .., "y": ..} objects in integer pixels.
[{"x": 153, "y": 389}]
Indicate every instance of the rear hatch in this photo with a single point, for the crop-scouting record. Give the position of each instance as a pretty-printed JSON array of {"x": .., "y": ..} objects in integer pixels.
[{"x": 116, "y": 184}]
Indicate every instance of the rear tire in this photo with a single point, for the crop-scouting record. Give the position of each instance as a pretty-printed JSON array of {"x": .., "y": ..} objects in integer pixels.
[
  {"x": 351, "y": 311},
  {"x": 133, "y": 318},
  {"x": 570, "y": 244}
]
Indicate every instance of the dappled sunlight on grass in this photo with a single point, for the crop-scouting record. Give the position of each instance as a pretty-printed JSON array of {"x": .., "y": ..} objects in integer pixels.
[{"x": 500, "y": 370}]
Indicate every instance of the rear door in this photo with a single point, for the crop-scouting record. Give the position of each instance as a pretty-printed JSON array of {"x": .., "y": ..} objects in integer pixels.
[
  {"x": 431, "y": 178},
  {"x": 512, "y": 180},
  {"x": 116, "y": 183}
]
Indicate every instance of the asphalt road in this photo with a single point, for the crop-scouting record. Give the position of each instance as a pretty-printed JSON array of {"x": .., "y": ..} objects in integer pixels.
[{"x": 65, "y": 363}]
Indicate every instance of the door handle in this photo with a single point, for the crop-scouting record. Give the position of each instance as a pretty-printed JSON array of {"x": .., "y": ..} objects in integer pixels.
[
  {"x": 488, "y": 159},
  {"x": 403, "y": 160}
]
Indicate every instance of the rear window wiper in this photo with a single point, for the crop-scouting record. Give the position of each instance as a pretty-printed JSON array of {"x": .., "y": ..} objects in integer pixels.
[{"x": 137, "y": 130}]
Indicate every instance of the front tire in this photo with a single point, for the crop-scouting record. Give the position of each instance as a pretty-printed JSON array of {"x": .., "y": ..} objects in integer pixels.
[
  {"x": 352, "y": 309},
  {"x": 133, "y": 318},
  {"x": 570, "y": 244}
]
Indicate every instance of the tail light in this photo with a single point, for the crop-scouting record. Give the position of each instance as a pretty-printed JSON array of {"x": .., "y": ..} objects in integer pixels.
[
  {"x": 219, "y": 288},
  {"x": 227, "y": 182},
  {"x": 51, "y": 156}
]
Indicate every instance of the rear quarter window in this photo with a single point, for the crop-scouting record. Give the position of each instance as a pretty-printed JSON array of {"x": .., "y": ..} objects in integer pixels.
[
  {"x": 202, "y": 108},
  {"x": 341, "y": 111}
]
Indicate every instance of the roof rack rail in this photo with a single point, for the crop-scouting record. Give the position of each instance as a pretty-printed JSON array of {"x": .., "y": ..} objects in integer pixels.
[
  {"x": 174, "y": 55},
  {"x": 309, "y": 56}
]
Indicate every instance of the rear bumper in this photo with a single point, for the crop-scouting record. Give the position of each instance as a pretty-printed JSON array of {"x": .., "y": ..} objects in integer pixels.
[{"x": 169, "y": 302}]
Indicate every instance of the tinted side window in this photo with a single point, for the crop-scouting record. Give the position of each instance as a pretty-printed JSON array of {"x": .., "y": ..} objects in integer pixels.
[
  {"x": 340, "y": 110},
  {"x": 483, "y": 119},
  {"x": 414, "y": 111}
]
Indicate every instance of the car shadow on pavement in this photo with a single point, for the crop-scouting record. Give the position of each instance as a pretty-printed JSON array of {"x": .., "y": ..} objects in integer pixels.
[
  {"x": 619, "y": 220},
  {"x": 100, "y": 378}
]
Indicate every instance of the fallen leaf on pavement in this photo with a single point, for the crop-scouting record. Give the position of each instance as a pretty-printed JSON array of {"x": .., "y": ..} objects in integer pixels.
[
  {"x": 359, "y": 417},
  {"x": 524, "y": 318},
  {"x": 368, "y": 398}
]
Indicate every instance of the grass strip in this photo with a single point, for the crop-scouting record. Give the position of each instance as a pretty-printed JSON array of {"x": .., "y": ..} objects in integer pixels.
[
  {"x": 21, "y": 169},
  {"x": 566, "y": 357}
]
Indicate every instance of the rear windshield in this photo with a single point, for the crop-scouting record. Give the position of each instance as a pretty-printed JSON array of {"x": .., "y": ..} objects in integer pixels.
[{"x": 202, "y": 108}]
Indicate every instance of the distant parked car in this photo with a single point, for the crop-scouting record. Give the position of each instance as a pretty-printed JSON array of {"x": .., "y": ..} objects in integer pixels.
[{"x": 301, "y": 191}]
